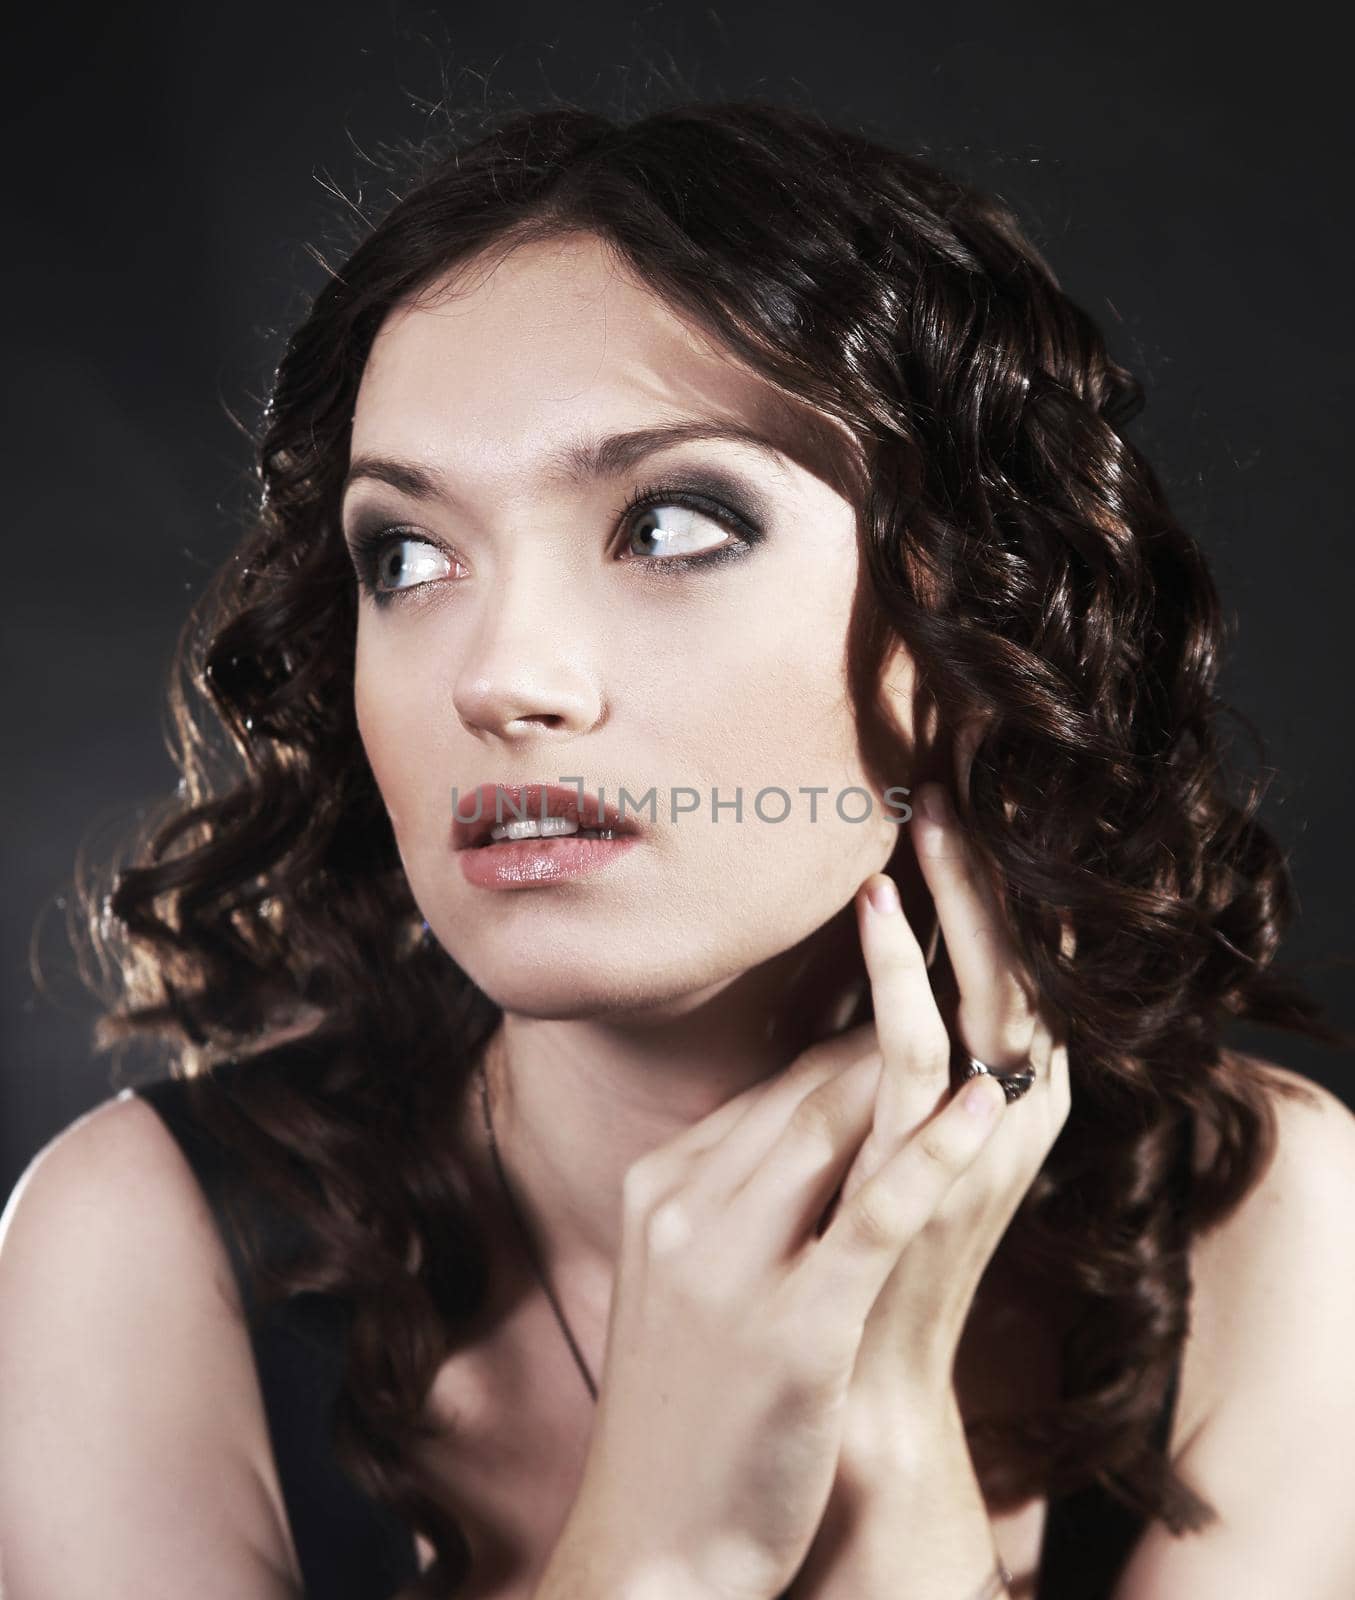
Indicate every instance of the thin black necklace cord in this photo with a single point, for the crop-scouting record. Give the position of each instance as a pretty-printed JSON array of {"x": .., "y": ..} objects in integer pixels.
[
  {"x": 1000, "y": 1577},
  {"x": 526, "y": 1235}
]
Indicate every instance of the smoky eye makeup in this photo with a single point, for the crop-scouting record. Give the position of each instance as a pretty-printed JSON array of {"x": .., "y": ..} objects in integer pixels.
[
  {"x": 726, "y": 500},
  {"x": 731, "y": 490}
]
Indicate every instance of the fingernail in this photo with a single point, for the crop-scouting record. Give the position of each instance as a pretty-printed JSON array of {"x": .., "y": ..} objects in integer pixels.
[{"x": 883, "y": 895}]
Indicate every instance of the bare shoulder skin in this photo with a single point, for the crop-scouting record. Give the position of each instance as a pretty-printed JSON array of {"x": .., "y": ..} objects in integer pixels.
[
  {"x": 1267, "y": 1404},
  {"x": 136, "y": 1461}
]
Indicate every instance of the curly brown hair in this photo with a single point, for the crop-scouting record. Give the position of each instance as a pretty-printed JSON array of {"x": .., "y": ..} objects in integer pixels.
[{"x": 1013, "y": 538}]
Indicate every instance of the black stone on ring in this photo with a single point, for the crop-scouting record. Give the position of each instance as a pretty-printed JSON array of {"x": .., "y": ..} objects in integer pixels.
[{"x": 1014, "y": 1083}]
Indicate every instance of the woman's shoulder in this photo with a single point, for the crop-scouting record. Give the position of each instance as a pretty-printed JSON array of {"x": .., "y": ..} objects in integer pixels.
[
  {"x": 122, "y": 1338},
  {"x": 1272, "y": 1282},
  {"x": 1311, "y": 1125},
  {"x": 1308, "y": 1177},
  {"x": 116, "y": 1180}
]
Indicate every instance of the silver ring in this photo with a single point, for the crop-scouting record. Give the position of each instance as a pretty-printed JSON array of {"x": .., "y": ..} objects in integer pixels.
[{"x": 1014, "y": 1083}]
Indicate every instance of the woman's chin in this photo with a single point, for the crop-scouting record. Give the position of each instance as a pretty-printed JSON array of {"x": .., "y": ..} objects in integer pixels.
[{"x": 576, "y": 992}]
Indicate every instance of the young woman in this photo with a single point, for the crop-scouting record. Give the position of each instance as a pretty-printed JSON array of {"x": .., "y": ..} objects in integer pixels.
[{"x": 675, "y": 1213}]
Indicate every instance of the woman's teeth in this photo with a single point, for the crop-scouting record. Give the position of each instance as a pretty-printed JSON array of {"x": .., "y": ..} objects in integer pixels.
[{"x": 544, "y": 828}]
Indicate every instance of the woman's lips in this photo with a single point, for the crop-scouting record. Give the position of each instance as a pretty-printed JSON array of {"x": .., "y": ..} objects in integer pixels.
[
  {"x": 492, "y": 804},
  {"x": 524, "y": 863}
]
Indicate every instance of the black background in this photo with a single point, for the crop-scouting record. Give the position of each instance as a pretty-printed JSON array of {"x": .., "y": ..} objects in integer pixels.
[{"x": 168, "y": 168}]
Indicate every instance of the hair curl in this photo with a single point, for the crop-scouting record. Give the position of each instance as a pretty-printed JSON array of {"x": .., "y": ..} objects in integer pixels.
[{"x": 1014, "y": 539}]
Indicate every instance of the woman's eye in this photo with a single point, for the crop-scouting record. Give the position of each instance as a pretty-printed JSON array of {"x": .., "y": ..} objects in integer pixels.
[
  {"x": 391, "y": 563},
  {"x": 664, "y": 531},
  {"x": 669, "y": 528},
  {"x": 412, "y": 560}
]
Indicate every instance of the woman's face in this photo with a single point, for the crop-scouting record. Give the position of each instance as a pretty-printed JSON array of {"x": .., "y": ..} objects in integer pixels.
[{"x": 532, "y": 635}]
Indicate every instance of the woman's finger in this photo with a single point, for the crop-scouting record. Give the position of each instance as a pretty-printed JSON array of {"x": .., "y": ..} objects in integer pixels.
[
  {"x": 997, "y": 1013},
  {"x": 726, "y": 1146},
  {"x": 789, "y": 1189},
  {"x": 869, "y": 1232},
  {"x": 914, "y": 1043}
]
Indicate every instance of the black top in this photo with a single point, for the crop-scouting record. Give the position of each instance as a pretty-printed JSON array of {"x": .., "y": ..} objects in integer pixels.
[{"x": 350, "y": 1547}]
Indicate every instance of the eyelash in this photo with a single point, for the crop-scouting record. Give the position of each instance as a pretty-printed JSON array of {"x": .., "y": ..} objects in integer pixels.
[{"x": 369, "y": 545}]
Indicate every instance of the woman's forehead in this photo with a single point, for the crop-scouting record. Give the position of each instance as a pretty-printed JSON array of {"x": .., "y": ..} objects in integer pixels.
[
  {"x": 512, "y": 355},
  {"x": 554, "y": 322}
]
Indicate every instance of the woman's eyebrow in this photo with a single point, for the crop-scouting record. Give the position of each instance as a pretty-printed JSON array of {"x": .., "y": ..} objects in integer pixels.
[{"x": 578, "y": 462}]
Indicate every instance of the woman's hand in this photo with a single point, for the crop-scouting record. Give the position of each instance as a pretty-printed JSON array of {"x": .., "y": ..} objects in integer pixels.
[
  {"x": 904, "y": 1368},
  {"x": 736, "y": 1325},
  {"x": 754, "y": 1342}
]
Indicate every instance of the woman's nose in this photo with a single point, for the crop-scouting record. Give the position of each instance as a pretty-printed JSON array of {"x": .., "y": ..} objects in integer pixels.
[{"x": 530, "y": 664}]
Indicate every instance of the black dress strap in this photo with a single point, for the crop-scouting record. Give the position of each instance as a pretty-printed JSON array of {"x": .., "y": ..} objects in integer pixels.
[
  {"x": 349, "y": 1545},
  {"x": 1089, "y": 1535}
]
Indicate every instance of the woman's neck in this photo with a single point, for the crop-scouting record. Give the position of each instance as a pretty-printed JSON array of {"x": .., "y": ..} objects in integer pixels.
[{"x": 575, "y": 1102}]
